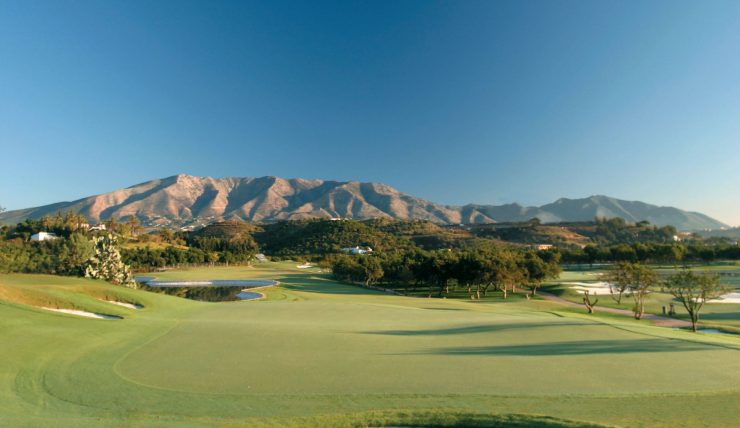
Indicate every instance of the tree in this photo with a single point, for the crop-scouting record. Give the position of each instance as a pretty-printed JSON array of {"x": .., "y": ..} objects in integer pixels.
[
  {"x": 469, "y": 271},
  {"x": 506, "y": 272},
  {"x": 74, "y": 254},
  {"x": 71, "y": 221},
  {"x": 591, "y": 253},
  {"x": 693, "y": 290},
  {"x": 588, "y": 303},
  {"x": 397, "y": 268},
  {"x": 371, "y": 268},
  {"x": 106, "y": 263},
  {"x": 112, "y": 225},
  {"x": 167, "y": 235},
  {"x": 623, "y": 252},
  {"x": 642, "y": 280},
  {"x": 435, "y": 270},
  {"x": 619, "y": 279},
  {"x": 540, "y": 267},
  {"x": 346, "y": 268},
  {"x": 132, "y": 227},
  {"x": 212, "y": 257}
]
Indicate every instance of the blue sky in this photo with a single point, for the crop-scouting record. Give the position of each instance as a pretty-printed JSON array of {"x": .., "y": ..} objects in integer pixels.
[{"x": 456, "y": 102}]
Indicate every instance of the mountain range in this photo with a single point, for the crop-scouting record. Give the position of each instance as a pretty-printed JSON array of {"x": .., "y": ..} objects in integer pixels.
[{"x": 184, "y": 199}]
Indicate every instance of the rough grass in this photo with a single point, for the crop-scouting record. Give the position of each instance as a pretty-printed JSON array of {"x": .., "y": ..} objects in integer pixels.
[
  {"x": 318, "y": 353},
  {"x": 45, "y": 291}
]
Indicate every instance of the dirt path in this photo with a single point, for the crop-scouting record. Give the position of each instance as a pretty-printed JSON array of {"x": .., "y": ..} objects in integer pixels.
[{"x": 657, "y": 320}]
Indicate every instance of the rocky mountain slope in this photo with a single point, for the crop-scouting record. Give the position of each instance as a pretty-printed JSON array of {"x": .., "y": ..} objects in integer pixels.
[{"x": 185, "y": 199}]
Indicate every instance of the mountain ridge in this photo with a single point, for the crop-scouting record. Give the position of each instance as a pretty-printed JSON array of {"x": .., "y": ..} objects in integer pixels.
[{"x": 185, "y": 199}]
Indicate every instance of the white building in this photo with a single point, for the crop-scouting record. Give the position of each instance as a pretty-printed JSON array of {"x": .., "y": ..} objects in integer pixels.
[
  {"x": 357, "y": 250},
  {"x": 542, "y": 247},
  {"x": 43, "y": 236}
]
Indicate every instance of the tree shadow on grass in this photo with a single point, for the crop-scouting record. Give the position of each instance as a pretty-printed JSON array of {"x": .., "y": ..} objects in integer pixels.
[
  {"x": 720, "y": 316},
  {"x": 485, "y": 328},
  {"x": 586, "y": 347}
]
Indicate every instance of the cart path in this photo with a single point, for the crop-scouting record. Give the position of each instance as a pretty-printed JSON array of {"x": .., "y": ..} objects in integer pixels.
[{"x": 657, "y": 320}]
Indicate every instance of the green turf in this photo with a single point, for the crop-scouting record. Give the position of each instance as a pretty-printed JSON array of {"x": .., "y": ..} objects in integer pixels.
[
  {"x": 318, "y": 353},
  {"x": 724, "y": 316}
]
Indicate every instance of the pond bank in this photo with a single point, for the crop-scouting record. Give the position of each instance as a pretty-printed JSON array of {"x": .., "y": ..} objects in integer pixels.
[{"x": 228, "y": 290}]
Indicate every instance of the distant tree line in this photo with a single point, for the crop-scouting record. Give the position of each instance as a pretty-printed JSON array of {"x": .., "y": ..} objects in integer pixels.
[
  {"x": 62, "y": 225},
  {"x": 74, "y": 254},
  {"x": 651, "y": 253},
  {"x": 148, "y": 257},
  {"x": 617, "y": 231},
  {"x": 600, "y": 231},
  {"x": 435, "y": 272},
  {"x": 237, "y": 242},
  {"x": 63, "y": 256},
  {"x": 74, "y": 249},
  {"x": 192, "y": 249},
  {"x": 228, "y": 250}
]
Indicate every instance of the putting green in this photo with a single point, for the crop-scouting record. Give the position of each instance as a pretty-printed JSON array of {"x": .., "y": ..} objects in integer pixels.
[{"x": 320, "y": 353}]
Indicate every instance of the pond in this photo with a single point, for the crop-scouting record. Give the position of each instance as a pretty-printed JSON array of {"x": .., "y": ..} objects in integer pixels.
[{"x": 208, "y": 291}]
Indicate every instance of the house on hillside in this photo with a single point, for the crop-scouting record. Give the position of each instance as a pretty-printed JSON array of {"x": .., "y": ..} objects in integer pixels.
[
  {"x": 357, "y": 250},
  {"x": 541, "y": 247},
  {"x": 682, "y": 236},
  {"x": 100, "y": 226},
  {"x": 43, "y": 236}
]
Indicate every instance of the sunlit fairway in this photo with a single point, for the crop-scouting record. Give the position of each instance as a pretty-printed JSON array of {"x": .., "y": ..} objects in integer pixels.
[
  {"x": 320, "y": 353},
  {"x": 724, "y": 316}
]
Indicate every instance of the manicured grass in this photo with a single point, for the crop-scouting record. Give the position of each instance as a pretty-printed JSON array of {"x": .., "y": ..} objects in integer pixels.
[
  {"x": 715, "y": 315},
  {"x": 319, "y": 353}
]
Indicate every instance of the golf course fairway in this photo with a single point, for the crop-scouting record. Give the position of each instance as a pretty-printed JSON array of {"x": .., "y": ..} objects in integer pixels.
[{"x": 318, "y": 353}]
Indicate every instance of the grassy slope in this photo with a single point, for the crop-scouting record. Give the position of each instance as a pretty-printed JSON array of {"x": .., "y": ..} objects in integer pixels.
[{"x": 319, "y": 353}]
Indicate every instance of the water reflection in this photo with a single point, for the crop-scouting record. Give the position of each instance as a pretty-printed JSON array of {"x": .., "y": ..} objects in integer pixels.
[
  {"x": 206, "y": 294},
  {"x": 207, "y": 291}
]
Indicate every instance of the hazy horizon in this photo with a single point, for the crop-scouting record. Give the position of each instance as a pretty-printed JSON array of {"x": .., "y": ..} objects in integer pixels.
[{"x": 469, "y": 102}]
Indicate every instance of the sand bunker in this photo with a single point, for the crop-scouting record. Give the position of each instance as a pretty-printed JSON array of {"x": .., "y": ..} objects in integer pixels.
[
  {"x": 591, "y": 287},
  {"x": 83, "y": 313},
  {"x": 124, "y": 304},
  {"x": 728, "y": 298},
  {"x": 304, "y": 266}
]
